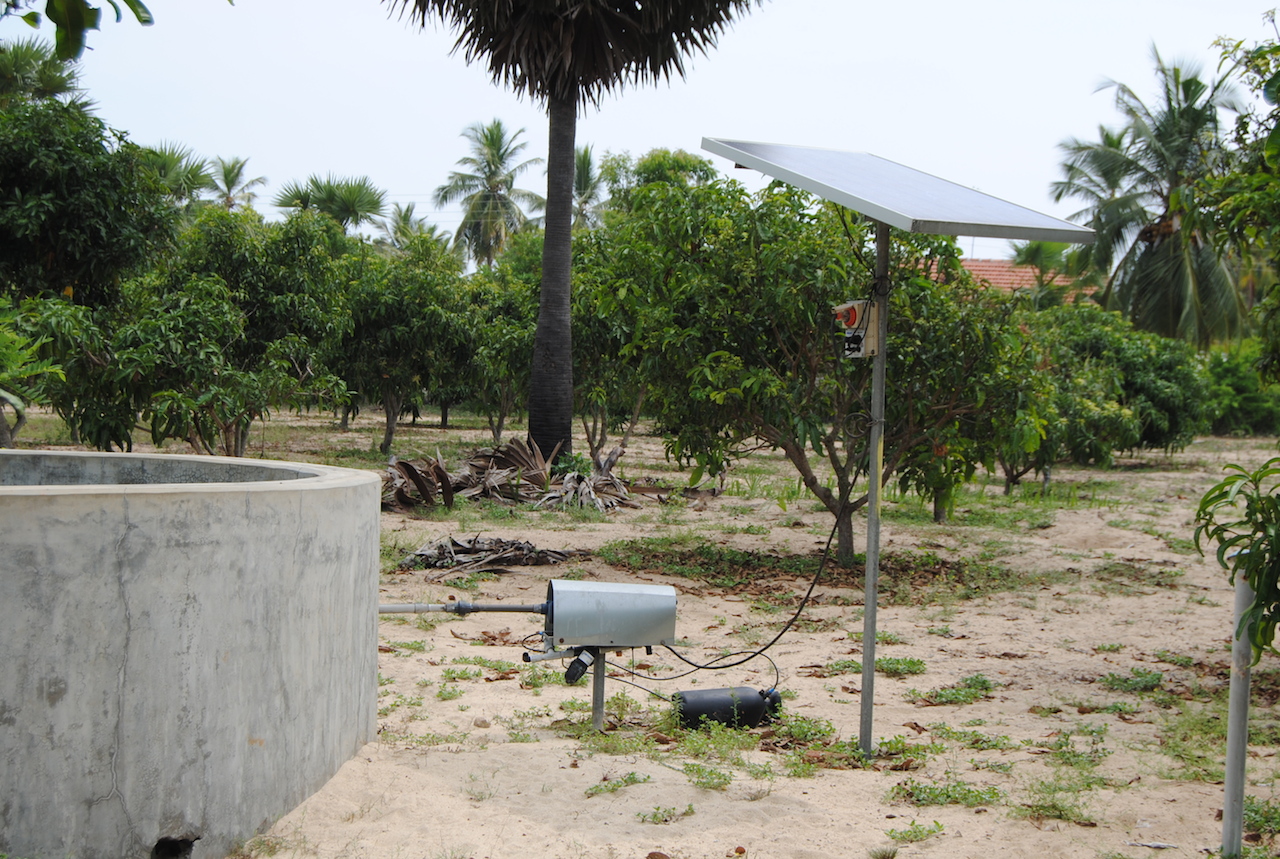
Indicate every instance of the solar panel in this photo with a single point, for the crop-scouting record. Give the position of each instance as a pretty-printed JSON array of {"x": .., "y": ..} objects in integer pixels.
[{"x": 897, "y": 195}]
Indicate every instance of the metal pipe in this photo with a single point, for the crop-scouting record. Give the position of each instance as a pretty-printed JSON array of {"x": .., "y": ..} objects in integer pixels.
[
  {"x": 1237, "y": 727},
  {"x": 871, "y": 580},
  {"x": 458, "y": 608},
  {"x": 597, "y": 691}
]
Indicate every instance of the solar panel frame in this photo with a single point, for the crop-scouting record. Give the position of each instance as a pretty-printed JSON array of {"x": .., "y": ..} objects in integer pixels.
[{"x": 897, "y": 195}]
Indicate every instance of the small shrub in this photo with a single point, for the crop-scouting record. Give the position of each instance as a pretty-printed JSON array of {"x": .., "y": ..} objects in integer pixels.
[
  {"x": 705, "y": 777},
  {"x": 915, "y": 832}
]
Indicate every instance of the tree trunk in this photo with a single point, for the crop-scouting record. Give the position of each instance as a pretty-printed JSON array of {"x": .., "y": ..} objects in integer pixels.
[
  {"x": 551, "y": 373},
  {"x": 6, "y": 432},
  {"x": 391, "y": 406},
  {"x": 844, "y": 536},
  {"x": 444, "y": 416},
  {"x": 941, "y": 502}
]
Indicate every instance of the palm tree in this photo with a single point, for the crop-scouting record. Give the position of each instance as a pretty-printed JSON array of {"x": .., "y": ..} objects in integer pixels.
[
  {"x": 1164, "y": 265},
  {"x": 182, "y": 174},
  {"x": 350, "y": 202},
  {"x": 230, "y": 185},
  {"x": 588, "y": 188},
  {"x": 402, "y": 225},
  {"x": 564, "y": 53},
  {"x": 490, "y": 200},
  {"x": 30, "y": 69}
]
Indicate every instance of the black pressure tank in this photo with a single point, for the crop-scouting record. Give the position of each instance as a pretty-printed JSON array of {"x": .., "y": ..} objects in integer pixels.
[{"x": 739, "y": 707}]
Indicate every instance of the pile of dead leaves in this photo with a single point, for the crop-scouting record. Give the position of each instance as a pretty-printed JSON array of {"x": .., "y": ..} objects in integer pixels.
[
  {"x": 513, "y": 473},
  {"x": 455, "y": 558}
]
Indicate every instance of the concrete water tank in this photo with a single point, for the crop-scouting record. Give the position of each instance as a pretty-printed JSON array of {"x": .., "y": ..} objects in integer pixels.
[{"x": 188, "y": 647}]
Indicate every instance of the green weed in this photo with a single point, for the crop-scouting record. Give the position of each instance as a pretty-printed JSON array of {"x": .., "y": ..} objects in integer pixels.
[
  {"x": 663, "y": 814},
  {"x": 613, "y": 785},
  {"x": 947, "y": 793},
  {"x": 969, "y": 689},
  {"x": 915, "y": 832}
]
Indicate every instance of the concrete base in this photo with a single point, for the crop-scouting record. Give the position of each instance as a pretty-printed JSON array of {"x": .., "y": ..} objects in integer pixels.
[{"x": 181, "y": 662}]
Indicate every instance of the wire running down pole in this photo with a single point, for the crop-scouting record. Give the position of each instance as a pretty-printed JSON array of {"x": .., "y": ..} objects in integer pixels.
[{"x": 876, "y": 442}]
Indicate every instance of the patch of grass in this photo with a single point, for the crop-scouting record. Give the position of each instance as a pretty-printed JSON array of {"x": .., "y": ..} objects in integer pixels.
[
  {"x": 716, "y": 742},
  {"x": 1175, "y": 658},
  {"x": 449, "y": 691},
  {"x": 892, "y": 666},
  {"x": 689, "y": 556},
  {"x": 1141, "y": 680},
  {"x": 1262, "y": 818},
  {"x": 972, "y": 739},
  {"x": 663, "y": 814},
  {"x": 975, "y": 687},
  {"x": 613, "y": 785},
  {"x": 1108, "y": 648},
  {"x": 994, "y": 766},
  {"x": 485, "y": 662},
  {"x": 536, "y": 676},
  {"x": 1125, "y": 578},
  {"x": 1063, "y": 797},
  {"x": 882, "y": 637},
  {"x": 952, "y": 792},
  {"x": 1196, "y": 739},
  {"x": 915, "y": 832}
]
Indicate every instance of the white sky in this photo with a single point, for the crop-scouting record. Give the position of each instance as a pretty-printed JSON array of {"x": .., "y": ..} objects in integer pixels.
[{"x": 980, "y": 93}]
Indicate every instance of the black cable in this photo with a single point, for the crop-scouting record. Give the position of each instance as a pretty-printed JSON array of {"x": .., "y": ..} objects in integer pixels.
[{"x": 714, "y": 664}]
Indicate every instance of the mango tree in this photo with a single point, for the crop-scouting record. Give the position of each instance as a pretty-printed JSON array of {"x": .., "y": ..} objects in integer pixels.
[{"x": 726, "y": 297}]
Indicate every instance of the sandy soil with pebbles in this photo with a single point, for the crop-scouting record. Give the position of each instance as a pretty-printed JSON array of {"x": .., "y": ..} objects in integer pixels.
[{"x": 471, "y": 763}]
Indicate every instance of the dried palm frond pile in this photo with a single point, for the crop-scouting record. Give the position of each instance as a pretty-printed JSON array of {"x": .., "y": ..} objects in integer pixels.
[
  {"x": 513, "y": 473},
  {"x": 479, "y": 554}
]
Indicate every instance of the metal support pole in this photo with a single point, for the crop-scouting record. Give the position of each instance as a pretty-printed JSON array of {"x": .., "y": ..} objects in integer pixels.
[
  {"x": 597, "y": 691},
  {"x": 872, "y": 579},
  {"x": 1237, "y": 729}
]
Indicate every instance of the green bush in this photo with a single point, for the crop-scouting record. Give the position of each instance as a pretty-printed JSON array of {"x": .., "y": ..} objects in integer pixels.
[{"x": 1240, "y": 404}]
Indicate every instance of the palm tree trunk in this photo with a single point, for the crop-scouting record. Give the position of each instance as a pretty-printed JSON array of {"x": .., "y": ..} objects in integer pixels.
[{"x": 551, "y": 375}]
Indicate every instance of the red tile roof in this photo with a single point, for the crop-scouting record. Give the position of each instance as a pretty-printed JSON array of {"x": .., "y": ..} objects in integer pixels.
[{"x": 1004, "y": 275}]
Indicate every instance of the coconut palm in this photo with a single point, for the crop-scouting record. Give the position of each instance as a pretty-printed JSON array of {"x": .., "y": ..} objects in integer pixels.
[
  {"x": 350, "y": 202},
  {"x": 30, "y": 69},
  {"x": 588, "y": 188},
  {"x": 230, "y": 185},
  {"x": 1165, "y": 268},
  {"x": 564, "y": 53},
  {"x": 491, "y": 203},
  {"x": 402, "y": 226},
  {"x": 183, "y": 175}
]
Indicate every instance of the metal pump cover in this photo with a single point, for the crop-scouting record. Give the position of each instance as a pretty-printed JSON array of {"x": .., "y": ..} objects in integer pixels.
[{"x": 608, "y": 614}]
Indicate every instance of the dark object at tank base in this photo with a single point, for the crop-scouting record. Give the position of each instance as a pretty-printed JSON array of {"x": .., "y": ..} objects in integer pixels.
[{"x": 739, "y": 707}]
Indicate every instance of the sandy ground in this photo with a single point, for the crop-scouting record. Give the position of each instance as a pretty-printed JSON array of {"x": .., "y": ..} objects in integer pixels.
[{"x": 487, "y": 774}]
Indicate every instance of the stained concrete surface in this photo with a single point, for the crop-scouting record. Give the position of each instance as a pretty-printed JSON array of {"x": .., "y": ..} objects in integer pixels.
[{"x": 181, "y": 662}]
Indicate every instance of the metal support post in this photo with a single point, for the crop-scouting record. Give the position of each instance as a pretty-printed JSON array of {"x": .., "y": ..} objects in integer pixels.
[
  {"x": 1237, "y": 728},
  {"x": 597, "y": 690},
  {"x": 876, "y": 442}
]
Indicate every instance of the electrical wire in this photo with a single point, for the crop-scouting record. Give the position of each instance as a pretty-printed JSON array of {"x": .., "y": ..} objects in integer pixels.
[{"x": 717, "y": 665}]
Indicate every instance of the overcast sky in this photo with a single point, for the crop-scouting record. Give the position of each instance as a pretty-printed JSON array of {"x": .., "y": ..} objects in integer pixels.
[{"x": 980, "y": 93}]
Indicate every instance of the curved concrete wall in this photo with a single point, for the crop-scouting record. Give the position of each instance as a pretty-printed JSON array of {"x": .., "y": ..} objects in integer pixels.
[{"x": 181, "y": 662}]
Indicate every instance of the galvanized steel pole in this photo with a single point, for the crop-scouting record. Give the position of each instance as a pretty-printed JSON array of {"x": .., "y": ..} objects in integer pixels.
[
  {"x": 1237, "y": 728},
  {"x": 876, "y": 442}
]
